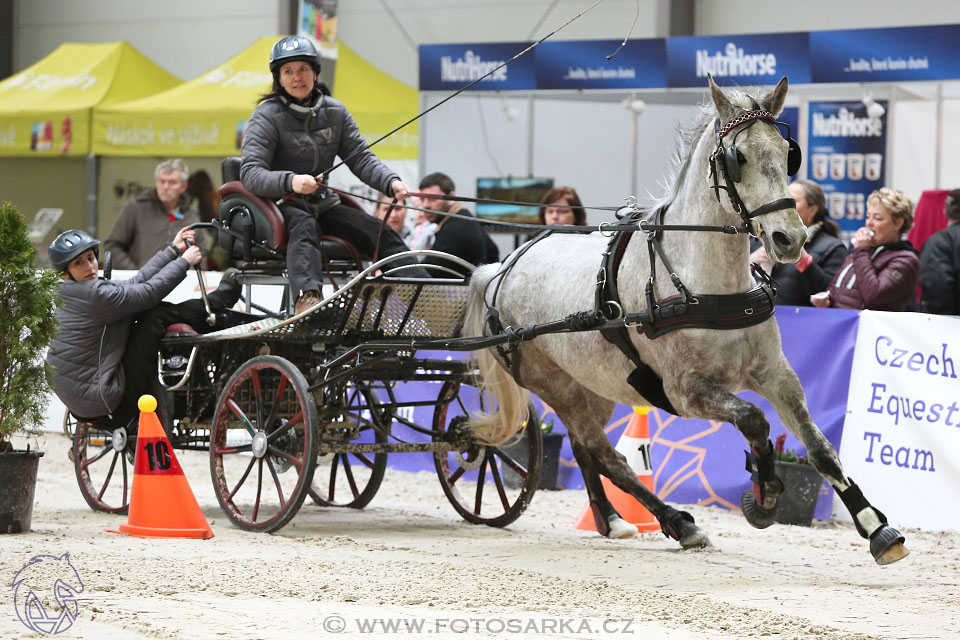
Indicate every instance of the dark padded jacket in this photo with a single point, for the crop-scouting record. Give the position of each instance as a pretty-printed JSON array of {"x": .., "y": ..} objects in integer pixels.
[
  {"x": 940, "y": 272},
  {"x": 794, "y": 287},
  {"x": 282, "y": 139},
  {"x": 879, "y": 278},
  {"x": 465, "y": 239},
  {"x": 94, "y": 321}
]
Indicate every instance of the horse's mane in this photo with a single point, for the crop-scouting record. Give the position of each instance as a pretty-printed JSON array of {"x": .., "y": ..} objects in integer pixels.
[{"x": 687, "y": 139}]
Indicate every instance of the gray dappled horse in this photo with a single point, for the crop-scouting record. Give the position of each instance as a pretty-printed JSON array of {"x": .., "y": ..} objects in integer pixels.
[{"x": 736, "y": 147}]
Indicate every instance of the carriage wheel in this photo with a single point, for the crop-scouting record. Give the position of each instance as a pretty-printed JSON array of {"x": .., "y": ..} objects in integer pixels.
[
  {"x": 352, "y": 479},
  {"x": 262, "y": 444},
  {"x": 103, "y": 461},
  {"x": 69, "y": 424},
  {"x": 473, "y": 479}
]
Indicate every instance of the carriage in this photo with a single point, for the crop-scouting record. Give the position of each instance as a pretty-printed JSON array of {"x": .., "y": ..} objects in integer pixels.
[{"x": 291, "y": 406}]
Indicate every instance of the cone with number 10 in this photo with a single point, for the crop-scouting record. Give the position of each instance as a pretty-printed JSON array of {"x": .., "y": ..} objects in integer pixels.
[
  {"x": 634, "y": 444},
  {"x": 162, "y": 505}
]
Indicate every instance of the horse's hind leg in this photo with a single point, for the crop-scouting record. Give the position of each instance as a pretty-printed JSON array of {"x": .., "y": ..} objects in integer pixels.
[
  {"x": 585, "y": 414},
  {"x": 782, "y": 388}
]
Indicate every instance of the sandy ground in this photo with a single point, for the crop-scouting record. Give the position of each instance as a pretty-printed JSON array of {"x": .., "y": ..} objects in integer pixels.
[{"x": 409, "y": 560}]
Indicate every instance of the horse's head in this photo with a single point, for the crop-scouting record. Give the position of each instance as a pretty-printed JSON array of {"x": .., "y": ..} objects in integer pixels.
[{"x": 751, "y": 162}]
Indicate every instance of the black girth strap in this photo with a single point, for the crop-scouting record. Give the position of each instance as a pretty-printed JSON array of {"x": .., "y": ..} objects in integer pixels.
[
  {"x": 643, "y": 378},
  {"x": 736, "y": 311}
]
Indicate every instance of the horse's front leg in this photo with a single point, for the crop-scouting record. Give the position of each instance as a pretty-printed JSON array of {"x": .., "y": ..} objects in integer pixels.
[
  {"x": 699, "y": 395},
  {"x": 782, "y": 388}
]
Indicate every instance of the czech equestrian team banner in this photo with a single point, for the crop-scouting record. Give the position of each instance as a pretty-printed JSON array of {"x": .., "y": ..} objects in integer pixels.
[
  {"x": 584, "y": 64},
  {"x": 902, "y": 435},
  {"x": 889, "y": 55},
  {"x": 737, "y": 59},
  {"x": 448, "y": 67},
  {"x": 858, "y": 55},
  {"x": 846, "y": 152}
]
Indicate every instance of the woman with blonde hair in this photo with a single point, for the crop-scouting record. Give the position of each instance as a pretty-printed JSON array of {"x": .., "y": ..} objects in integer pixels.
[{"x": 880, "y": 273}]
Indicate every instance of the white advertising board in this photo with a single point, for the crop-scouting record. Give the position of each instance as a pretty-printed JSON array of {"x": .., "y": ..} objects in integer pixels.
[{"x": 901, "y": 436}]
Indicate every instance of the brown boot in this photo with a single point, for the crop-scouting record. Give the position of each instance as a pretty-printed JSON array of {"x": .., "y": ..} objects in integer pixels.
[{"x": 306, "y": 300}]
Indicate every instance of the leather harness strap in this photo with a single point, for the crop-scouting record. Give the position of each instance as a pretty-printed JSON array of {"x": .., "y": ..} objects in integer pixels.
[{"x": 733, "y": 311}]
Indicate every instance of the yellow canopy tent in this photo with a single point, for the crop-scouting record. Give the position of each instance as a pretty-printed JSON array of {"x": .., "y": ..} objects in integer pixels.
[
  {"x": 379, "y": 103},
  {"x": 45, "y": 113},
  {"x": 201, "y": 117},
  {"x": 45, "y": 109}
]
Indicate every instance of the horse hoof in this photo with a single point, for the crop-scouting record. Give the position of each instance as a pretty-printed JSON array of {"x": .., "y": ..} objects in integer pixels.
[
  {"x": 620, "y": 528},
  {"x": 695, "y": 539},
  {"x": 756, "y": 515},
  {"x": 886, "y": 546}
]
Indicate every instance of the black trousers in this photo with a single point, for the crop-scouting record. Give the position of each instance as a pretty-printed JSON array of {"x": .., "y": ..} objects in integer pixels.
[
  {"x": 140, "y": 356},
  {"x": 304, "y": 262}
]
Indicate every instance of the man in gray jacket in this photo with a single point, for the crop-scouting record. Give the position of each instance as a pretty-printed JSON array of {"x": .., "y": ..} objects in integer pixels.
[
  {"x": 104, "y": 355},
  {"x": 148, "y": 223}
]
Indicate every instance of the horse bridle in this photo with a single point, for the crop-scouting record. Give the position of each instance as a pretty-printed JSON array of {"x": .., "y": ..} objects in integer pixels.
[{"x": 725, "y": 163}]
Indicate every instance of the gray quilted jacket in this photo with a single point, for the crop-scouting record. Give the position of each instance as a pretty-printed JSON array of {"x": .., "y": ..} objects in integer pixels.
[
  {"x": 95, "y": 318},
  {"x": 283, "y": 139}
]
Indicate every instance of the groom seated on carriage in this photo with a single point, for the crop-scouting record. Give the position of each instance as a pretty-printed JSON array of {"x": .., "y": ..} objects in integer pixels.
[{"x": 104, "y": 355}]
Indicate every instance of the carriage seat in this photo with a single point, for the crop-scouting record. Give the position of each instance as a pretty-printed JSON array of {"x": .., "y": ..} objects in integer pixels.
[
  {"x": 241, "y": 210},
  {"x": 180, "y": 330}
]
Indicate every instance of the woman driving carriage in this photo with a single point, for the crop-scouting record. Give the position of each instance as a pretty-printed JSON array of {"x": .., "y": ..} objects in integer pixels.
[
  {"x": 104, "y": 355},
  {"x": 294, "y": 134}
]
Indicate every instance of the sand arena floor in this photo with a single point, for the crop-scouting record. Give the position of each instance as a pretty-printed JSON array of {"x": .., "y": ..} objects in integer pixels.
[{"x": 408, "y": 560}]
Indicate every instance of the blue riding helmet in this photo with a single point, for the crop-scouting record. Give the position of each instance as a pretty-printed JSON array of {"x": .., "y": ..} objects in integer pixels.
[
  {"x": 291, "y": 49},
  {"x": 70, "y": 244}
]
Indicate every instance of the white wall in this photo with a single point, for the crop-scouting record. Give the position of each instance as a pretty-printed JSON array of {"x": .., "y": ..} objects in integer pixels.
[
  {"x": 184, "y": 37},
  {"x": 764, "y": 16}
]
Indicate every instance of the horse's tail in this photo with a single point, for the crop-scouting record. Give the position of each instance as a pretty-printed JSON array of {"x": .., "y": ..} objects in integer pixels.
[{"x": 507, "y": 402}]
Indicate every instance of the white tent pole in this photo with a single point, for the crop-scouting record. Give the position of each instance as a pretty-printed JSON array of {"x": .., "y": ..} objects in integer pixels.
[
  {"x": 530, "y": 119},
  {"x": 938, "y": 157},
  {"x": 92, "y": 194},
  {"x": 634, "y": 128}
]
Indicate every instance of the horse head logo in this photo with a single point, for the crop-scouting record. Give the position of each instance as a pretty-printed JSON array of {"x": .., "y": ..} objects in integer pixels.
[{"x": 44, "y": 593}]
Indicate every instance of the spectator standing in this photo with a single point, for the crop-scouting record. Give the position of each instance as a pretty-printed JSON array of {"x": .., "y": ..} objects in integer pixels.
[
  {"x": 458, "y": 236},
  {"x": 566, "y": 207},
  {"x": 149, "y": 223},
  {"x": 940, "y": 264},
  {"x": 820, "y": 258},
  {"x": 206, "y": 200},
  {"x": 880, "y": 272}
]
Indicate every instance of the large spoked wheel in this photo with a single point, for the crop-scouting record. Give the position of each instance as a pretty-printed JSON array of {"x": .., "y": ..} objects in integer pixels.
[
  {"x": 103, "y": 458},
  {"x": 262, "y": 444},
  {"x": 352, "y": 479},
  {"x": 472, "y": 476},
  {"x": 103, "y": 461}
]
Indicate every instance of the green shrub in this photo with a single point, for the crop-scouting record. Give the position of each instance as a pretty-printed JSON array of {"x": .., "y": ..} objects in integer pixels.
[{"x": 27, "y": 325}]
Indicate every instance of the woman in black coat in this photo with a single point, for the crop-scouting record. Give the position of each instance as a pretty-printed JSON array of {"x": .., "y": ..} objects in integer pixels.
[{"x": 820, "y": 258}]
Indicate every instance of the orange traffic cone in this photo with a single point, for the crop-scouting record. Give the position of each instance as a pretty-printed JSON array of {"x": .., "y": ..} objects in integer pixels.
[
  {"x": 634, "y": 444},
  {"x": 162, "y": 505}
]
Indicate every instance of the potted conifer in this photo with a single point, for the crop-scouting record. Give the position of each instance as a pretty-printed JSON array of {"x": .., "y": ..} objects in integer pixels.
[{"x": 27, "y": 325}]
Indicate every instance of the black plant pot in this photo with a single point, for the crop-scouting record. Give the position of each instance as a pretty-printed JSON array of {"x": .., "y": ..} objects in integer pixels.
[
  {"x": 801, "y": 489},
  {"x": 551, "y": 461},
  {"x": 18, "y": 481}
]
